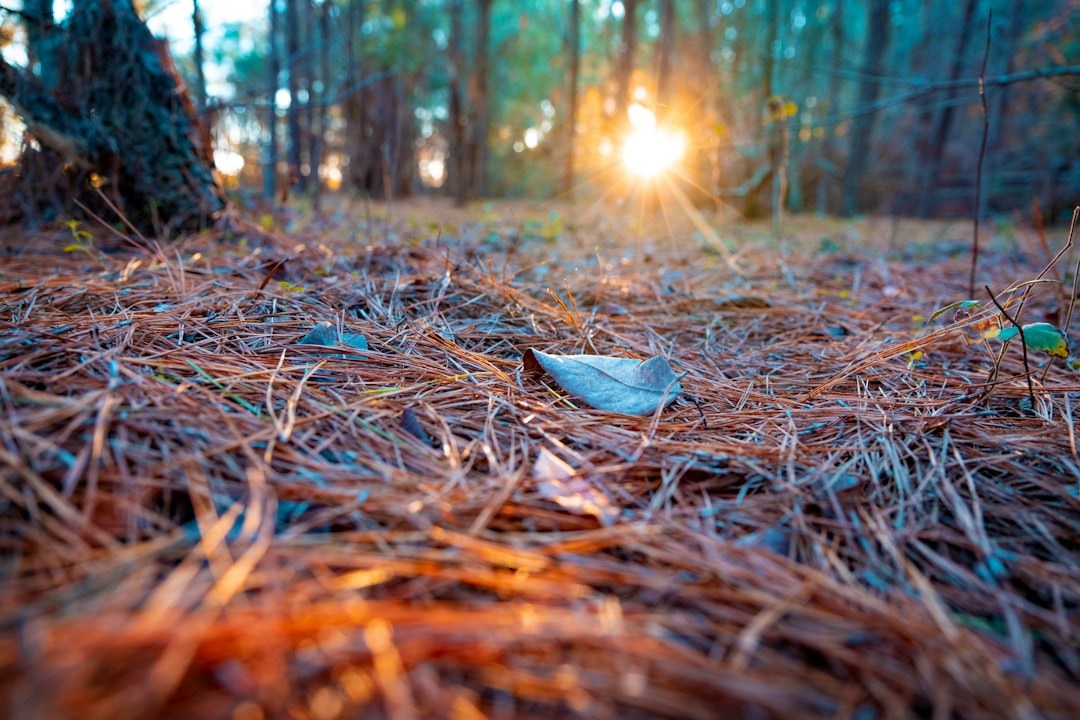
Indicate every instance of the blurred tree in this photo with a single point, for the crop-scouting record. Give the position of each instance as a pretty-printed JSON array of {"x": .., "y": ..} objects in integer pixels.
[
  {"x": 877, "y": 37},
  {"x": 350, "y": 92},
  {"x": 573, "y": 71},
  {"x": 625, "y": 61},
  {"x": 294, "y": 69},
  {"x": 933, "y": 156},
  {"x": 273, "y": 72},
  {"x": 200, "y": 75},
  {"x": 479, "y": 124}
]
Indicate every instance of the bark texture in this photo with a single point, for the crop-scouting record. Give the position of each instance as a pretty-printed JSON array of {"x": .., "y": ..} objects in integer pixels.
[{"x": 118, "y": 122}]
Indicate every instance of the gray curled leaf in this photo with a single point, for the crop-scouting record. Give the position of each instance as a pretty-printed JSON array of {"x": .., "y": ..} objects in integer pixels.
[
  {"x": 326, "y": 334},
  {"x": 622, "y": 385}
]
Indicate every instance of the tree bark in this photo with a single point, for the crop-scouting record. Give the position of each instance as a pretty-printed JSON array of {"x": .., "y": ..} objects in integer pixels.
[
  {"x": 118, "y": 120},
  {"x": 861, "y": 128}
]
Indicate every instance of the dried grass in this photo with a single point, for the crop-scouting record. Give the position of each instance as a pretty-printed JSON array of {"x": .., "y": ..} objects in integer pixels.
[{"x": 201, "y": 518}]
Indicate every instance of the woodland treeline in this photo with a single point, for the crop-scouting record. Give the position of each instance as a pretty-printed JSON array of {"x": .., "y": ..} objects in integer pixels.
[{"x": 835, "y": 107}]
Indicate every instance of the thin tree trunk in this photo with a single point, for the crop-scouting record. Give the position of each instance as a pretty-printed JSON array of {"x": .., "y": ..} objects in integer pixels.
[
  {"x": 457, "y": 169},
  {"x": 353, "y": 101},
  {"x": 934, "y": 158},
  {"x": 307, "y": 65},
  {"x": 999, "y": 98},
  {"x": 863, "y": 125},
  {"x": 480, "y": 125},
  {"x": 625, "y": 67},
  {"x": 709, "y": 160},
  {"x": 200, "y": 75},
  {"x": 772, "y": 25},
  {"x": 324, "y": 106},
  {"x": 665, "y": 51},
  {"x": 832, "y": 103},
  {"x": 273, "y": 65},
  {"x": 292, "y": 62},
  {"x": 574, "y": 39},
  {"x": 41, "y": 40}
]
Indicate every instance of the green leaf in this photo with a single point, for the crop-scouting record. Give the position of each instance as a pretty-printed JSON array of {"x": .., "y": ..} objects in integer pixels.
[
  {"x": 1046, "y": 337},
  {"x": 958, "y": 305},
  {"x": 1039, "y": 336},
  {"x": 1002, "y": 334}
]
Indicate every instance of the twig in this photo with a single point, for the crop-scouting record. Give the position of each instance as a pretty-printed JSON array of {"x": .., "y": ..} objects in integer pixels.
[
  {"x": 982, "y": 155},
  {"x": 1023, "y": 342}
]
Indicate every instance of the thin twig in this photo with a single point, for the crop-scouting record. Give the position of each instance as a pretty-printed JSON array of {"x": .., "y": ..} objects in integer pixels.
[{"x": 1023, "y": 343}]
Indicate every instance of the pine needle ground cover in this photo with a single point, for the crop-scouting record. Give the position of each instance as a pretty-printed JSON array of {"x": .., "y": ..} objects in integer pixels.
[{"x": 207, "y": 511}]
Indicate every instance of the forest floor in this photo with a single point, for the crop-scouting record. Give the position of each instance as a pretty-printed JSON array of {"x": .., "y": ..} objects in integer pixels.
[{"x": 202, "y": 516}]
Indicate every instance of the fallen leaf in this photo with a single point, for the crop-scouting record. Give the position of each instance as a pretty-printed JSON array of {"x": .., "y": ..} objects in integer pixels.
[
  {"x": 411, "y": 424},
  {"x": 621, "y": 385},
  {"x": 959, "y": 305},
  {"x": 326, "y": 334},
  {"x": 558, "y": 482}
]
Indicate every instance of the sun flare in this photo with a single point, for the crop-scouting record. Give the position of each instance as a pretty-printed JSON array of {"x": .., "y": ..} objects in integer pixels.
[{"x": 649, "y": 150}]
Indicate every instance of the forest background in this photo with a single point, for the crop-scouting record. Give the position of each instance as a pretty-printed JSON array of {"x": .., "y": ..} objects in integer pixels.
[{"x": 848, "y": 107}]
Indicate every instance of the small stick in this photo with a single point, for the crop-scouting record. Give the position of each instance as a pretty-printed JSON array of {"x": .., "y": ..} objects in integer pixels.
[
  {"x": 1023, "y": 343},
  {"x": 982, "y": 155}
]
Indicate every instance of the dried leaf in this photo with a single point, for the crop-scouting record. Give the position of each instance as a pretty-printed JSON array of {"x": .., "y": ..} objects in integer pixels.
[
  {"x": 557, "y": 482},
  {"x": 411, "y": 424},
  {"x": 326, "y": 334},
  {"x": 622, "y": 385},
  {"x": 959, "y": 305}
]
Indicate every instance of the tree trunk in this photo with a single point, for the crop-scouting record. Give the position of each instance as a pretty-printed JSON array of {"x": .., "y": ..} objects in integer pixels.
[
  {"x": 709, "y": 127},
  {"x": 319, "y": 145},
  {"x": 200, "y": 75},
  {"x": 308, "y": 171},
  {"x": 665, "y": 51},
  {"x": 273, "y": 65},
  {"x": 479, "y": 103},
  {"x": 457, "y": 169},
  {"x": 934, "y": 157},
  {"x": 861, "y": 128},
  {"x": 825, "y": 194},
  {"x": 117, "y": 115},
  {"x": 353, "y": 101},
  {"x": 574, "y": 41},
  {"x": 292, "y": 64},
  {"x": 625, "y": 67}
]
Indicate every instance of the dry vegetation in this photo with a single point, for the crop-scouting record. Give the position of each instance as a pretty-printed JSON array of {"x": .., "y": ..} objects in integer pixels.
[{"x": 201, "y": 517}]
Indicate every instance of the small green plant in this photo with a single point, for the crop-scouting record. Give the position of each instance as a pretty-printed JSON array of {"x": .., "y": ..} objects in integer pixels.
[
  {"x": 81, "y": 240},
  {"x": 289, "y": 288},
  {"x": 1004, "y": 326}
]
